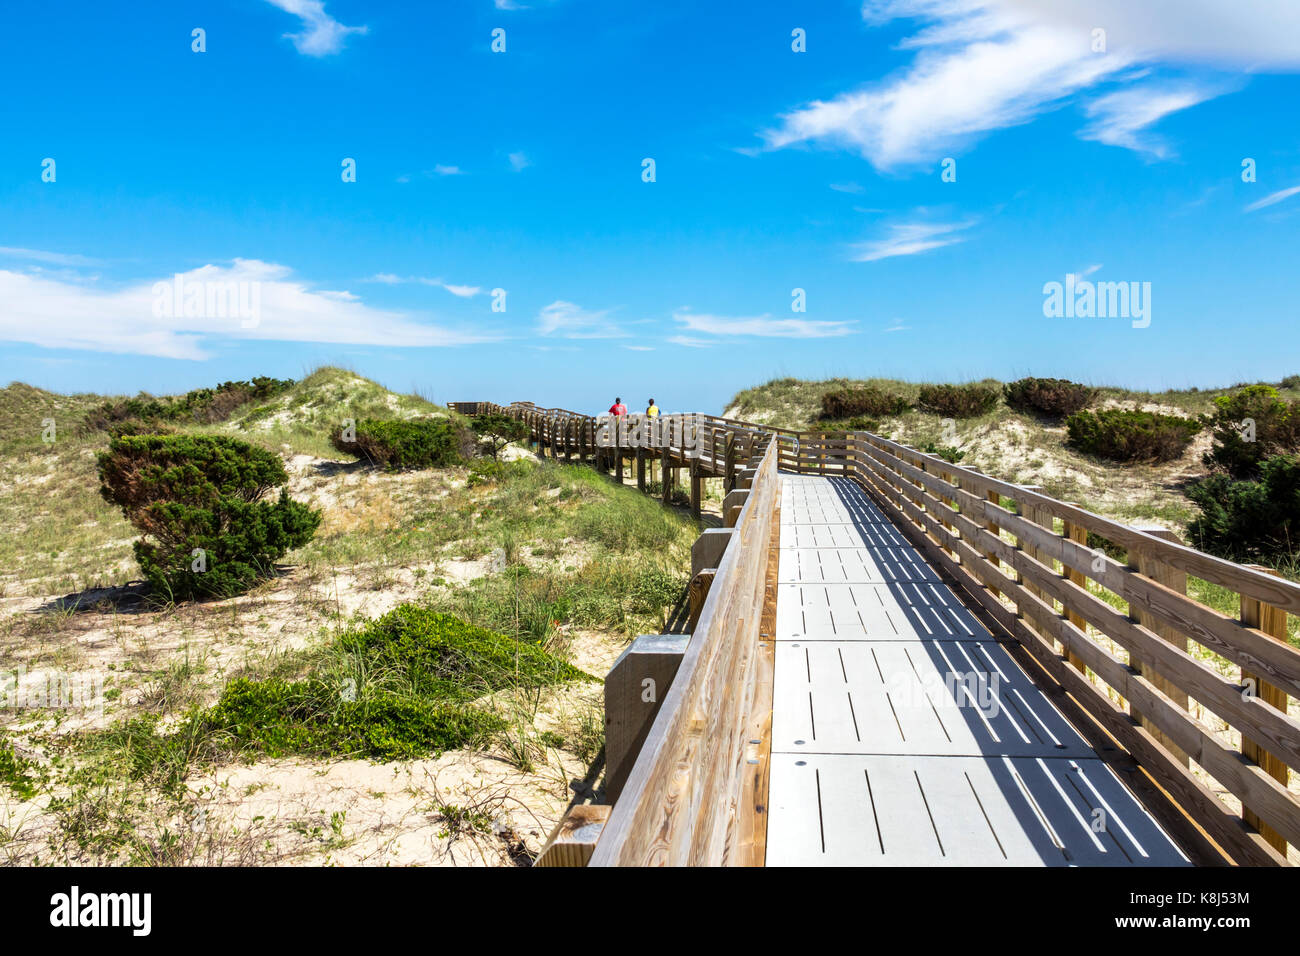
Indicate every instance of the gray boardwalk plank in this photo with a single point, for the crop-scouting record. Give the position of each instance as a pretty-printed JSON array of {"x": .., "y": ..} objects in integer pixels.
[{"x": 902, "y": 733}]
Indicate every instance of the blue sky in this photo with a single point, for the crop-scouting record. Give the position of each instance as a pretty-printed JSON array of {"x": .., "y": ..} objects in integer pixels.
[{"x": 522, "y": 171}]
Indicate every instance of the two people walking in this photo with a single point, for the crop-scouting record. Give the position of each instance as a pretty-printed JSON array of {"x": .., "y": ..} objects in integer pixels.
[{"x": 618, "y": 408}]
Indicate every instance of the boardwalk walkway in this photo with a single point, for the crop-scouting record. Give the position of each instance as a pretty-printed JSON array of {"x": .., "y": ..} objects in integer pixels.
[{"x": 902, "y": 733}]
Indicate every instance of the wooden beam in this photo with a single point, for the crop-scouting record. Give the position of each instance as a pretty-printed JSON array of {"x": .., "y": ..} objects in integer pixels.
[{"x": 574, "y": 838}]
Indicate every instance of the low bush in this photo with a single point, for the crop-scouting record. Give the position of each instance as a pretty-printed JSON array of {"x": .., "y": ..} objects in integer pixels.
[
  {"x": 402, "y": 444},
  {"x": 197, "y": 499},
  {"x": 203, "y": 406},
  {"x": 1250, "y": 425},
  {"x": 949, "y": 453},
  {"x": 1250, "y": 520},
  {"x": 957, "y": 401},
  {"x": 496, "y": 431},
  {"x": 1053, "y": 397},
  {"x": 1127, "y": 435},
  {"x": 867, "y": 401},
  {"x": 312, "y": 718}
]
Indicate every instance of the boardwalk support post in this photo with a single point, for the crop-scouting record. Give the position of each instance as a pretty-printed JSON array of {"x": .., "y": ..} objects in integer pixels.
[
  {"x": 573, "y": 840},
  {"x": 698, "y": 592},
  {"x": 707, "y": 550},
  {"x": 731, "y": 506},
  {"x": 634, "y": 688}
]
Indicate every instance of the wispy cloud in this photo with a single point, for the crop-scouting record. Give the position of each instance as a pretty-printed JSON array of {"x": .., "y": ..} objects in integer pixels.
[
  {"x": 574, "y": 322},
  {"x": 441, "y": 170},
  {"x": 464, "y": 291},
  {"x": 125, "y": 320},
  {"x": 761, "y": 326},
  {"x": 690, "y": 341},
  {"x": 321, "y": 34},
  {"x": 1273, "y": 199},
  {"x": 847, "y": 187},
  {"x": 519, "y": 162},
  {"x": 1123, "y": 118},
  {"x": 896, "y": 325},
  {"x": 49, "y": 258},
  {"x": 983, "y": 65},
  {"x": 909, "y": 239}
]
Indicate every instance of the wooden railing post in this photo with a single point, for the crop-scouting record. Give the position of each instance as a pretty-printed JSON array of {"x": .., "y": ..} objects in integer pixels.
[
  {"x": 1176, "y": 580},
  {"x": 1272, "y": 621},
  {"x": 1079, "y": 534},
  {"x": 574, "y": 838},
  {"x": 992, "y": 528}
]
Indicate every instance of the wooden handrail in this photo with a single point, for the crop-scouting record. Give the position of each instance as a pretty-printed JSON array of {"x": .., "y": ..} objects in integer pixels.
[{"x": 679, "y": 806}]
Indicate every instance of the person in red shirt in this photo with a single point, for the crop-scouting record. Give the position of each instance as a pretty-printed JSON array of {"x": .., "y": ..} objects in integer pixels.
[{"x": 618, "y": 408}]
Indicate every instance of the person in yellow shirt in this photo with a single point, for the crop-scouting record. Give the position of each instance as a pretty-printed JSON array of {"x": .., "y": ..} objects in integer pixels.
[{"x": 653, "y": 410}]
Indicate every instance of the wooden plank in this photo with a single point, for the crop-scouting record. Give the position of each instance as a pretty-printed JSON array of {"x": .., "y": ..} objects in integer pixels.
[{"x": 755, "y": 791}]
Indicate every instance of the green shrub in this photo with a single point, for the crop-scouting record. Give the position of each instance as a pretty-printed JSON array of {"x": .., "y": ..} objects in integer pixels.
[
  {"x": 1126, "y": 435},
  {"x": 497, "y": 430},
  {"x": 314, "y": 718},
  {"x": 1291, "y": 381},
  {"x": 200, "y": 406},
  {"x": 23, "y": 778},
  {"x": 957, "y": 401},
  {"x": 400, "y": 444},
  {"x": 1248, "y": 426},
  {"x": 868, "y": 400},
  {"x": 1250, "y": 520},
  {"x": 1053, "y": 397},
  {"x": 948, "y": 453},
  {"x": 436, "y": 655},
  {"x": 197, "y": 499}
]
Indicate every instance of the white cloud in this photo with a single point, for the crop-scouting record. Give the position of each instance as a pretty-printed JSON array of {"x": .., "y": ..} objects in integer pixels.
[
  {"x": 847, "y": 187},
  {"x": 1273, "y": 198},
  {"x": 690, "y": 341},
  {"x": 448, "y": 170},
  {"x": 982, "y": 65},
  {"x": 910, "y": 238},
  {"x": 896, "y": 325},
  {"x": 1122, "y": 118},
  {"x": 519, "y": 162},
  {"x": 574, "y": 322},
  {"x": 54, "y": 314},
  {"x": 50, "y": 258},
  {"x": 321, "y": 34},
  {"x": 762, "y": 326},
  {"x": 463, "y": 291},
  {"x": 639, "y": 348}
]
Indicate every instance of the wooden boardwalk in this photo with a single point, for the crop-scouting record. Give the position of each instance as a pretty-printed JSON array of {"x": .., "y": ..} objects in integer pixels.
[
  {"x": 903, "y": 733},
  {"x": 837, "y": 702}
]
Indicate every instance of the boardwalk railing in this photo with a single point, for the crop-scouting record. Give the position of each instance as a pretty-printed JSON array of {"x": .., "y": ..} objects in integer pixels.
[{"x": 1103, "y": 608}]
